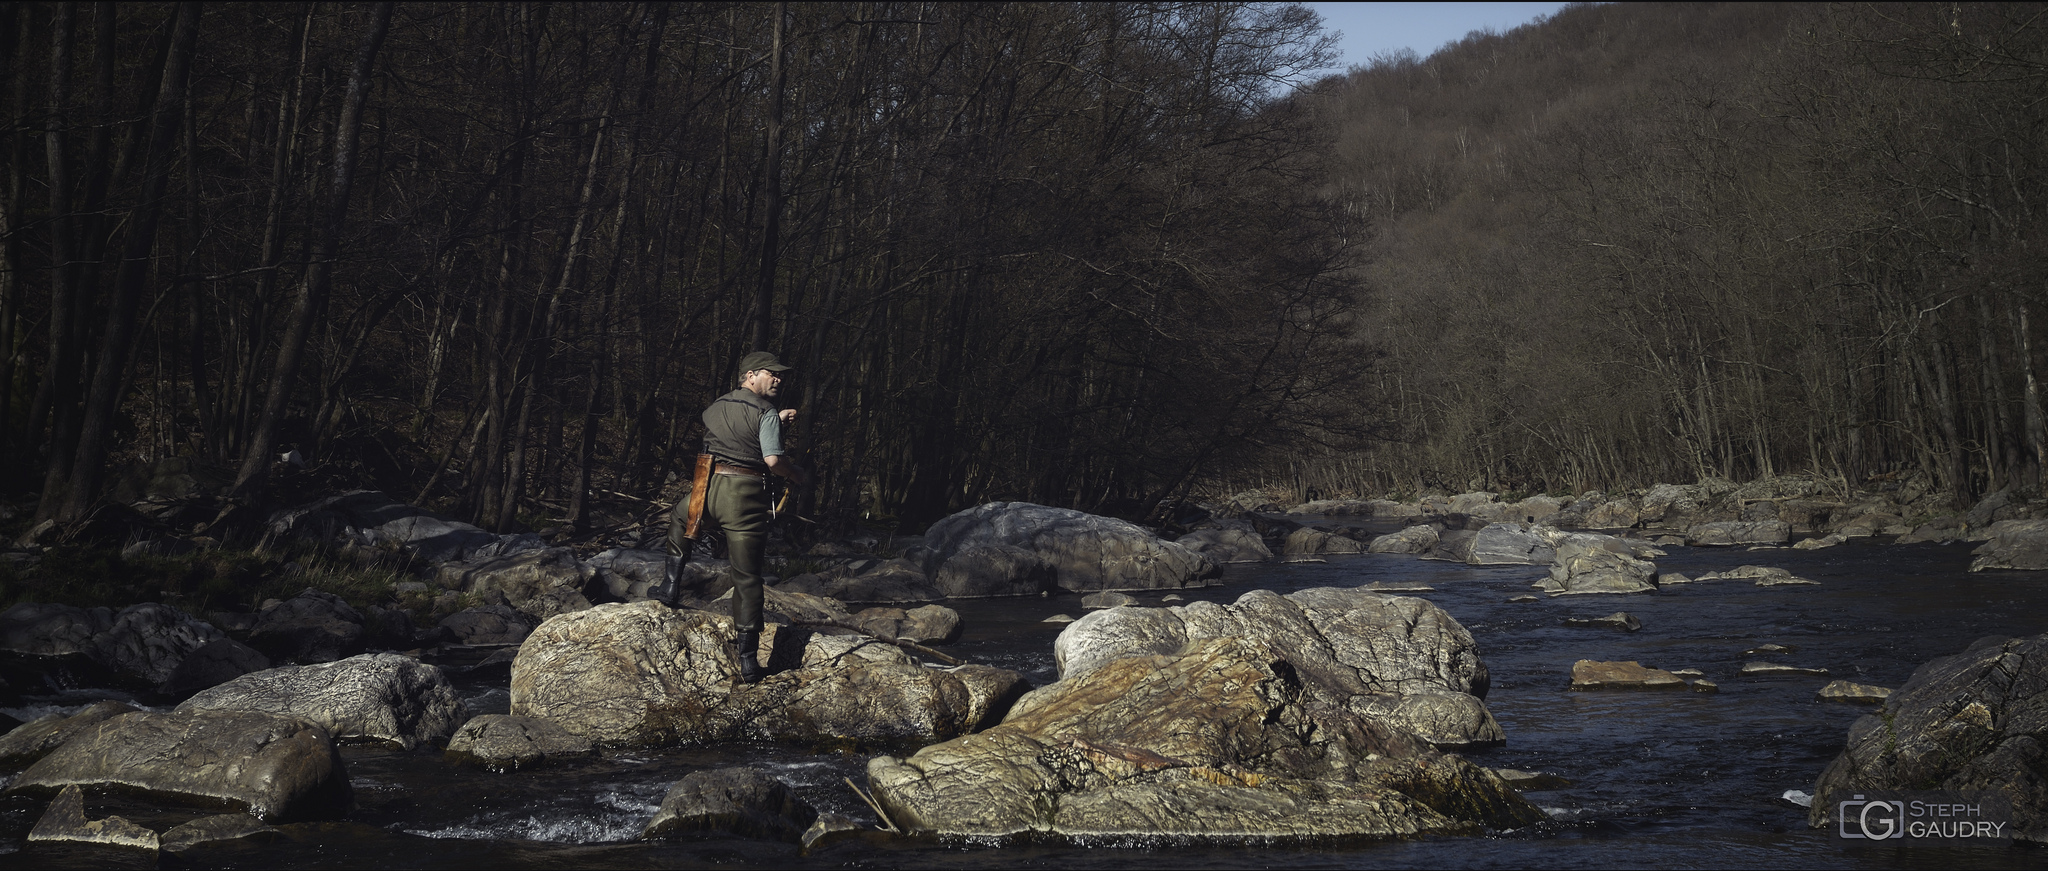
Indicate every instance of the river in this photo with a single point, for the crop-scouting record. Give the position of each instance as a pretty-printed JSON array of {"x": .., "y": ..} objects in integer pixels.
[{"x": 1657, "y": 779}]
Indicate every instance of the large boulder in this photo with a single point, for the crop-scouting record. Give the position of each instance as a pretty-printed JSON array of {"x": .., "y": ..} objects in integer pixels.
[
  {"x": 1398, "y": 659},
  {"x": 1086, "y": 552},
  {"x": 986, "y": 570},
  {"x": 1974, "y": 722},
  {"x": 643, "y": 673},
  {"x": 34, "y": 740},
  {"x": 1588, "y": 564},
  {"x": 1415, "y": 539},
  {"x": 542, "y": 583},
  {"x": 148, "y": 647},
  {"x": 2013, "y": 544},
  {"x": 1227, "y": 545},
  {"x": 381, "y": 697},
  {"x": 314, "y": 626},
  {"x": 739, "y": 801},
  {"x": 895, "y": 581},
  {"x": 1511, "y": 544},
  {"x": 1309, "y": 541},
  {"x": 276, "y": 768},
  {"x": 1726, "y": 533},
  {"x": 1223, "y": 740}
]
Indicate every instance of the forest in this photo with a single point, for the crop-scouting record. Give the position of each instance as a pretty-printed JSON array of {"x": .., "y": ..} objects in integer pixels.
[{"x": 495, "y": 258}]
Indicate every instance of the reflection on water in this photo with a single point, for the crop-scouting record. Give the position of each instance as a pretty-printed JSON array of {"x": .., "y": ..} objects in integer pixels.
[{"x": 1673, "y": 779}]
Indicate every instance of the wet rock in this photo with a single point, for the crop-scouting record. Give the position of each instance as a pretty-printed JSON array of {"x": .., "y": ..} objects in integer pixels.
[
  {"x": 34, "y": 740},
  {"x": 1505, "y": 544},
  {"x": 1727, "y": 533},
  {"x": 926, "y": 624},
  {"x": 1940, "y": 529},
  {"x": 1818, "y": 543},
  {"x": 65, "y": 821},
  {"x": 542, "y": 583},
  {"x": 1704, "y": 686},
  {"x": 739, "y": 801},
  {"x": 2013, "y": 544},
  {"x": 1357, "y": 650},
  {"x": 1588, "y": 565},
  {"x": 1094, "y": 601},
  {"x": 277, "y": 768},
  {"x": 629, "y": 573},
  {"x": 1086, "y": 552},
  {"x": 1589, "y": 674},
  {"x": 1849, "y": 691},
  {"x": 1524, "y": 599},
  {"x": 1757, "y": 669},
  {"x": 379, "y": 697},
  {"x": 1621, "y": 620},
  {"x": 1762, "y": 576},
  {"x": 1596, "y": 510},
  {"x": 1454, "y": 545},
  {"x": 504, "y": 742},
  {"x": 216, "y": 830},
  {"x": 1974, "y": 722},
  {"x": 643, "y": 673},
  {"x": 1309, "y": 540},
  {"x": 313, "y": 626},
  {"x": 1227, "y": 545},
  {"x": 1414, "y": 539},
  {"x": 985, "y": 570},
  {"x": 830, "y": 828},
  {"x": 486, "y": 624},
  {"x": 1399, "y": 587},
  {"x": 1768, "y": 649},
  {"x": 1338, "y": 507},
  {"x": 1214, "y": 742},
  {"x": 1531, "y": 781},
  {"x": 1058, "y": 618},
  {"x": 149, "y": 647},
  {"x": 1667, "y": 579}
]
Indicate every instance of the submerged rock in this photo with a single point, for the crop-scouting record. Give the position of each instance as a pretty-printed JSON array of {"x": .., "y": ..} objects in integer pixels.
[
  {"x": 1356, "y": 650},
  {"x": 1764, "y": 669},
  {"x": 216, "y": 829},
  {"x": 380, "y": 697},
  {"x": 1590, "y": 674},
  {"x": 277, "y": 768},
  {"x": 1848, "y": 691},
  {"x": 740, "y": 801},
  {"x": 1973, "y": 722},
  {"x": 1220, "y": 741},
  {"x": 1621, "y": 620},
  {"x": 65, "y": 820},
  {"x": 1086, "y": 552}
]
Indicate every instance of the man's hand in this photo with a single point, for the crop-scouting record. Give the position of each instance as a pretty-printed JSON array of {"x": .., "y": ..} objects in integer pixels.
[
  {"x": 788, "y": 415},
  {"x": 787, "y": 468}
]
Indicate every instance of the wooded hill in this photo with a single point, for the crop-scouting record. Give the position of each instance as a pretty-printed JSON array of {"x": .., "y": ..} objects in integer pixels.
[
  {"x": 494, "y": 258},
  {"x": 1656, "y": 242}
]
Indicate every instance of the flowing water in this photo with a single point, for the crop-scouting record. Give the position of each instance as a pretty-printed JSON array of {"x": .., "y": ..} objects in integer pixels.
[{"x": 1663, "y": 779}]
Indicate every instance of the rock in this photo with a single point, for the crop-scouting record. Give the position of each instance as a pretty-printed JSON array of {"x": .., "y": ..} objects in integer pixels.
[
  {"x": 1818, "y": 543},
  {"x": 1769, "y": 648},
  {"x": 1524, "y": 599},
  {"x": 1531, "y": 781},
  {"x": 740, "y": 801},
  {"x": 1849, "y": 691},
  {"x": 484, "y": 625},
  {"x": 1214, "y": 742},
  {"x": 628, "y": 573},
  {"x": 1670, "y": 578},
  {"x": 34, "y": 740},
  {"x": 1762, "y": 576},
  {"x": 1940, "y": 529},
  {"x": 504, "y": 742},
  {"x": 1357, "y": 650},
  {"x": 277, "y": 768},
  {"x": 1505, "y": 544},
  {"x": 890, "y": 581},
  {"x": 1086, "y": 552},
  {"x": 216, "y": 829},
  {"x": 1227, "y": 545},
  {"x": 1588, "y": 674},
  {"x": 388, "y": 628},
  {"x": 1414, "y": 539},
  {"x": 1755, "y": 669},
  {"x": 1399, "y": 587},
  {"x": 149, "y": 647},
  {"x": 2013, "y": 544},
  {"x": 1725, "y": 533},
  {"x": 1596, "y": 510},
  {"x": 830, "y": 828},
  {"x": 1454, "y": 545},
  {"x": 1705, "y": 686},
  {"x": 377, "y": 697},
  {"x": 1058, "y": 618},
  {"x": 925, "y": 624},
  {"x": 1973, "y": 722},
  {"x": 313, "y": 626},
  {"x": 643, "y": 673},
  {"x": 1597, "y": 565},
  {"x": 542, "y": 583},
  {"x": 1309, "y": 540},
  {"x": 65, "y": 821},
  {"x": 1535, "y": 509},
  {"x": 1094, "y": 601},
  {"x": 981, "y": 571},
  {"x": 1622, "y": 620}
]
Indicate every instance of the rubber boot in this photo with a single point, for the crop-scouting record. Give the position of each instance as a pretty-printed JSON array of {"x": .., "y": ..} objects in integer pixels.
[
  {"x": 671, "y": 583},
  {"x": 747, "y": 648}
]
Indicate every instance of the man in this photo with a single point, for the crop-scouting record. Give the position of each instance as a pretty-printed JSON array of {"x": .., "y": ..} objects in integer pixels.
[{"x": 743, "y": 441}]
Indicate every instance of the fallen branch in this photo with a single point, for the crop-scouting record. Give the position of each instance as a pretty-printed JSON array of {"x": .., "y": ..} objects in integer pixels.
[{"x": 887, "y": 825}]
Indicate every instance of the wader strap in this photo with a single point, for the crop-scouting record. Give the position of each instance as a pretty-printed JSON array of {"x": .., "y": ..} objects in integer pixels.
[{"x": 699, "y": 482}]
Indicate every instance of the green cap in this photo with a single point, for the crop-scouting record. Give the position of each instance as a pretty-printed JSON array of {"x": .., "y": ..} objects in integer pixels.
[{"x": 761, "y": 360}]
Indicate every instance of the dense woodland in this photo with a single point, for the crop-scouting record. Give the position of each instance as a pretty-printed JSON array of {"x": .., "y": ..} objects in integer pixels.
[{"x": 494, "y": 258}]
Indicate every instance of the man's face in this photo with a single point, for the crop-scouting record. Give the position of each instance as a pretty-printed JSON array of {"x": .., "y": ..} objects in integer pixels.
[{"x": 763, "y": 382}]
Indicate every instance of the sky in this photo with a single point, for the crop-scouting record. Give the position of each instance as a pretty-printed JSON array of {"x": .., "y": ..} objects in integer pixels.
[{"x": 1372, "y": 28}]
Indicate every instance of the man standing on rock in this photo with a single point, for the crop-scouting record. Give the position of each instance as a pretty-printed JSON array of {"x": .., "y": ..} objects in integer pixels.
[{"x": 742, "y": 446}]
